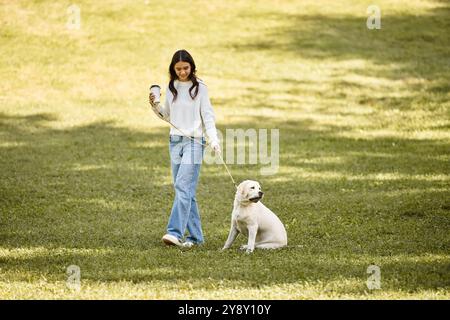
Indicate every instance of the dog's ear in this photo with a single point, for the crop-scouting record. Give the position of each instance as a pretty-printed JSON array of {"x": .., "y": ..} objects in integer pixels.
[
  {"x": 244, "y": 189},
  {"x": 241, "y": 189}
]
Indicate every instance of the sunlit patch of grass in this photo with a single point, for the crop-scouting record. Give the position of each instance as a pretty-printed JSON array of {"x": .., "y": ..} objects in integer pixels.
[{"x": 116, "y": 282}]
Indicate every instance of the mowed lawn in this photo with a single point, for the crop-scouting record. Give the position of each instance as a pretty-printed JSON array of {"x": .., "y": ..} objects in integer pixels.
[{"x": 364, "y": 174}]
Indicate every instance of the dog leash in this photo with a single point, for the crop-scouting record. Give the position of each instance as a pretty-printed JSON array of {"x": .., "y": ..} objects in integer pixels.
[{"x": 205, "y": 145}]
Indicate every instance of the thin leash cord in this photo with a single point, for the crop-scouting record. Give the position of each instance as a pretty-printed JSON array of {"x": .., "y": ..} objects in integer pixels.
[{"x": 205, "y": 145}]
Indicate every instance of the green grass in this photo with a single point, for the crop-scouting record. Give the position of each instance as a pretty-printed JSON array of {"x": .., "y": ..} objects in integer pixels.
[{"x": 364, "y": 148}]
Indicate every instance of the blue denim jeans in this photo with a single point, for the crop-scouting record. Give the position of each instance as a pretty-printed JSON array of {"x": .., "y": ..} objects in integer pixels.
[{"x": 186, "y": 158}]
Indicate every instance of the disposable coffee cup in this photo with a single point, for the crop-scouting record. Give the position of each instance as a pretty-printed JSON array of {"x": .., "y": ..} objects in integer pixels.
[{"x": 156, "y": 90}]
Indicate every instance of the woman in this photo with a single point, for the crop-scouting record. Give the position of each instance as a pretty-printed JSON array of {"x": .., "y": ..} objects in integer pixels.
[{"x": 188, "y": 108}]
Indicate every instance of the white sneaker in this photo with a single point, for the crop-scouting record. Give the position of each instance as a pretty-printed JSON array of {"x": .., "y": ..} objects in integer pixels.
[
  {"x": 187, "y": 244},
  {"x": 171, "y": 240}
]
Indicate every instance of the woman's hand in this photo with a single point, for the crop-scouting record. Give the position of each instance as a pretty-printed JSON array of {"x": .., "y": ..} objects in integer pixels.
[
  {"x": 151, "y": 99},
  {"x": 216, "y": 147}
]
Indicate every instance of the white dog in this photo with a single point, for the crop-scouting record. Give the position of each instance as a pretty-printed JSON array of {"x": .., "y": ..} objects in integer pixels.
[{"x": 254, "y": 220}]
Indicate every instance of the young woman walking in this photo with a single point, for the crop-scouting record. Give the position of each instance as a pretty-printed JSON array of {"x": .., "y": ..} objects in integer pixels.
[{"x": 187, "y": 106}]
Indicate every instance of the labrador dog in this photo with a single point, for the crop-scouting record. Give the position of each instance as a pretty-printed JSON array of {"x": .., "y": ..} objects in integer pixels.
[{"x": 254, "y": 220}]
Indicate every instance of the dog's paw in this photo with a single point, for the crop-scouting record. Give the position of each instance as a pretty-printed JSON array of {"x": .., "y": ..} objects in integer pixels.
[
  {"x": 243, "y": 247},
  {"x": 248, "y": 251}
]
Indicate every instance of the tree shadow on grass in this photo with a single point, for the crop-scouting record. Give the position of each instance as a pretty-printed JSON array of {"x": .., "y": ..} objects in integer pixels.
[
  {"x": 408, "y": 45},
  {"x": 99, "y": 188},
  {"x": 89, "y": 186},
  {"x": 403, "y": 66}
]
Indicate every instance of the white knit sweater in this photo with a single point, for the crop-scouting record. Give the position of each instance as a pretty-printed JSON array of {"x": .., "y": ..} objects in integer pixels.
[{"x": 193, "y": 117}]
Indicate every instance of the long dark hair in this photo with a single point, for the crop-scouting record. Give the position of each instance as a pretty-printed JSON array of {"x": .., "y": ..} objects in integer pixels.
[{"x": 183, "y": 55}]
